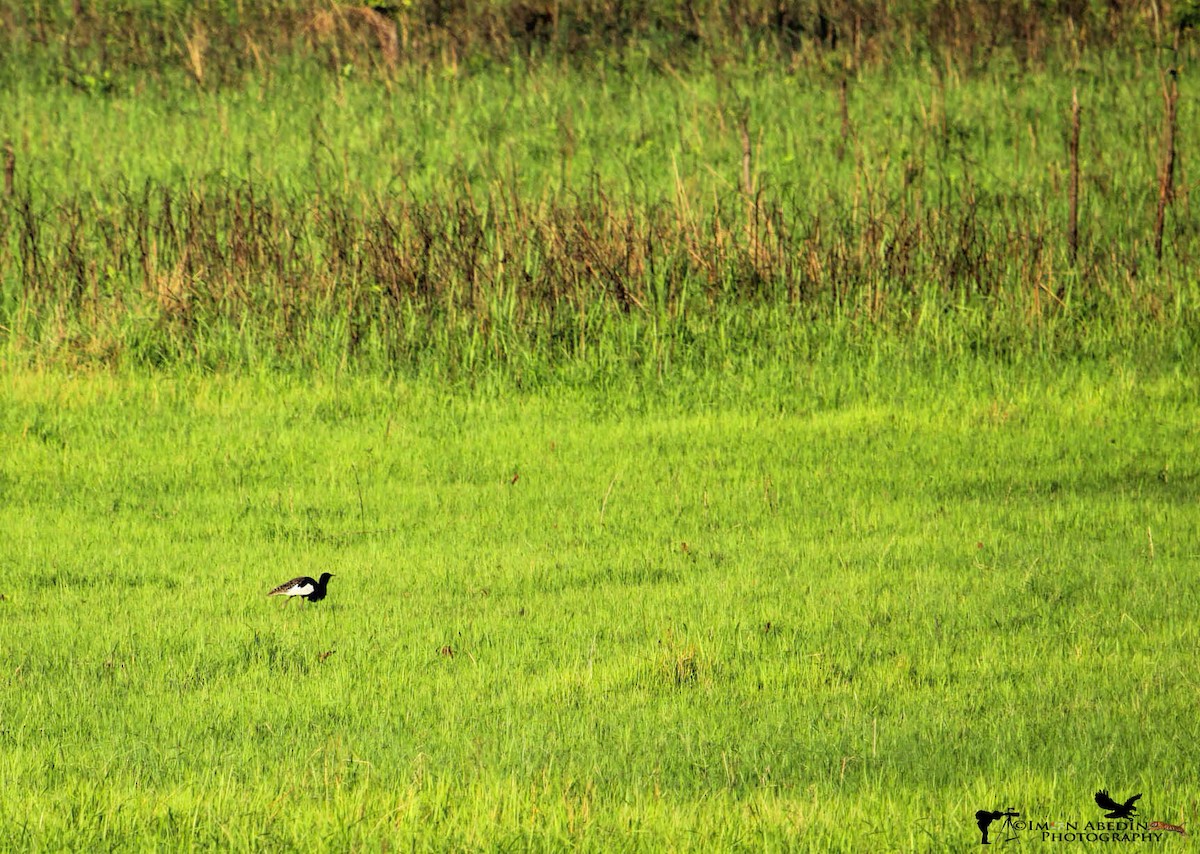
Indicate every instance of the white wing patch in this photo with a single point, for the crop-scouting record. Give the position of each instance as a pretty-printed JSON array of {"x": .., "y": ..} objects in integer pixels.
[{"x": 299, "y": 590}]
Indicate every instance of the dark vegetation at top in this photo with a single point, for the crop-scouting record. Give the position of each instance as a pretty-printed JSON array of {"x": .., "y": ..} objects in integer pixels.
[
  {"x": 221, "y": 43},
  {"x": 249, "y": 38}
]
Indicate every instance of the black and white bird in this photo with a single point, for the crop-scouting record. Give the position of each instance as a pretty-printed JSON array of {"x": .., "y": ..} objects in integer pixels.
[{"x": 313, "y": 591}]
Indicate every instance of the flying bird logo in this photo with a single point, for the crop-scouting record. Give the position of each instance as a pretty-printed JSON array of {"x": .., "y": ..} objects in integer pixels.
[{"x": 1119, "y": 810}]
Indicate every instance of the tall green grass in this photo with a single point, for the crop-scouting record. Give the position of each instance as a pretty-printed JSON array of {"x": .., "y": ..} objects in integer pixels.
[{"x": 538, "y": 213}]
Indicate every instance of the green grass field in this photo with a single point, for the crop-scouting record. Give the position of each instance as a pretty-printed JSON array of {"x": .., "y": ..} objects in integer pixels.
[
  {"x": 721, "y": 437},
  {"x": 819, "y": 625}
]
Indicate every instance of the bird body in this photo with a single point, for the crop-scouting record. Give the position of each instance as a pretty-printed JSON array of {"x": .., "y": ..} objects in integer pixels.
[
  {"x": 310, "y": 589},
  {"x": 1119, "y": 810}
]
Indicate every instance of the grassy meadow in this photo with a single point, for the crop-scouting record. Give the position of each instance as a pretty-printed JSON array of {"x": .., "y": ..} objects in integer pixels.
[
  {"x": 722, "y": 432},
  {"x": 545, "y": 212},
  {"x": 824, "y": 626}
]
